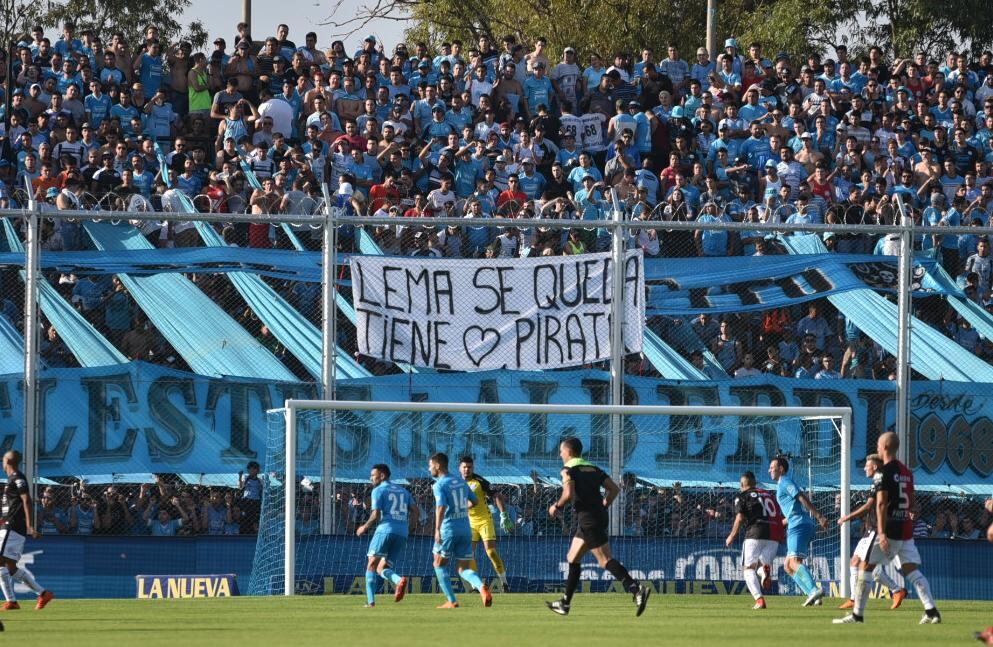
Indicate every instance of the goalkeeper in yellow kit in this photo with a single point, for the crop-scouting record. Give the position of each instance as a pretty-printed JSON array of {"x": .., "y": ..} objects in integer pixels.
[{"x": 481, "y": 519}]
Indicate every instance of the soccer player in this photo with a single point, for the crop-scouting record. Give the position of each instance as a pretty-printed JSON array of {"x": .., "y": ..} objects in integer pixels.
[
  {"x": 452, "y": 535},
  {"x": 986, "y": 635},
  {"x": 394, "y": 509},
  {"x": 756, "y": 509},
  {"x": 873, "y": 463},
  {"x": 800, "y": 528},
  {"x": 894, "y": 534},
  {"x": 17, "y": 524},
  {"x": 481, "y": 519},
  {"x": 581, "y": 484}
]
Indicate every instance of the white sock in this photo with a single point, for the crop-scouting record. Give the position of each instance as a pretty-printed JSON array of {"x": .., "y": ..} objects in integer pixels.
[
  {"x": 6, "y": 585},
  {"x": 503, "y": 579},
  {"x": 861, "y": 594},
  {"x": 920, "y": 584},
  {"x": 854, "y": 575},
  {"x": 25, "y": 577},
  {"x": 880, "y": 576},
  {"x": 753, "y": 583}
]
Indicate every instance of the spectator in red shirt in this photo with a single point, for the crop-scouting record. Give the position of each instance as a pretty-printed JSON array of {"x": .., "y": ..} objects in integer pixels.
[{"x": 513, "y": 193}]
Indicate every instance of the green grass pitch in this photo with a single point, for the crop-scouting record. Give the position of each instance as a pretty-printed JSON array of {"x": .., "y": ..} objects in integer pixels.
[{"x": 514, "y": 619}]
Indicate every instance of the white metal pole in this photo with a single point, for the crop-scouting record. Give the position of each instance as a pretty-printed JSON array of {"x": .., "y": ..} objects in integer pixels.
[
  {"x": 329, "y": 321},
  {"x": 904, "y": 303},
  {"x": 712, "y": 29},
  {"x": 617, "y": 357},
  {"x": 846, "y": 500},
  {"x": 32, "y": 264},
  {"x": 290, "y": 499}
]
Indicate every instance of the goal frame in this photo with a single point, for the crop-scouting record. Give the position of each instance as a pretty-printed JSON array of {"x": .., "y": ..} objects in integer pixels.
[{"x": 292, "y": 406}]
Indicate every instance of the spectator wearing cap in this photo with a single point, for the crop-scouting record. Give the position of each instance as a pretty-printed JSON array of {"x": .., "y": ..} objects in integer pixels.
[
  {"x": 242, "y": 67},
  {"x": 424, "y": 73},
  {"x": 437, "y": 129},
  {"x": 565, "y": 78},
  {"x": 530, "y": 181},
  {"x": 939, "y": 214},
  {"x": 537, "y": 90},
  {"x": 702, "y": 69},
  {"x": 423, "y": 109}
]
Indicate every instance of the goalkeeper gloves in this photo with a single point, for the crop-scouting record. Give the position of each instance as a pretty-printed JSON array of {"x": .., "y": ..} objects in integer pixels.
[{"x": 506, "y": 522}]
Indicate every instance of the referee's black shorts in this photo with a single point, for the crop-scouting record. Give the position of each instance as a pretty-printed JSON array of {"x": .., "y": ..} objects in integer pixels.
[{"x": 592, "y": 528}]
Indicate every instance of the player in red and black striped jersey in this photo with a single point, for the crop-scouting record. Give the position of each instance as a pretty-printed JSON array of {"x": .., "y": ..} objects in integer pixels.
[
  {"x": 591, "y": 491},
  {"x": 893, "y": 538},
  {"x": 756, "y": 509},
  {"x": 17, "y": 525}
]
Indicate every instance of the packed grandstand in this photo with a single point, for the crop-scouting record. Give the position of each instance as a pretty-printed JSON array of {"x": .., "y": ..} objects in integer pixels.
[{"x": 479, "y": 130}]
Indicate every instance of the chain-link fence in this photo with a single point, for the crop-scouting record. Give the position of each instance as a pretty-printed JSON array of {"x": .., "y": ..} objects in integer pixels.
[{"x": 745, "y": 303}]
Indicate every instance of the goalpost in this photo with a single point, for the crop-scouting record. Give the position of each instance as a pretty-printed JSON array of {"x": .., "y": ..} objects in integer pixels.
[{"x": 307, "y": 525}]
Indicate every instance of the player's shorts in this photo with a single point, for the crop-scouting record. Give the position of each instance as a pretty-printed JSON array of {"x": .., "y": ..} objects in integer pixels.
[
  {"x": 592, "y": 528},
  {"x": 458, "y": 547},
  {"x": 798, "y": 540},
  {"x": 759, "y": 551},
  {"x": 387, "y": 545},
  {"x": 11, "y": 544},
  {"x": 862, "y": 548},
  {"x": 483, "y": 530},
  {"x": 902, "y": 551}
]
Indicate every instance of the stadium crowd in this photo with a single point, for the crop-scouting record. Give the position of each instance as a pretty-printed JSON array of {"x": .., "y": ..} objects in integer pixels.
[
  {"x": 496, "y": 128},
  {"x": 173, "y": 507},
  {"x": 506, "y": 128}
]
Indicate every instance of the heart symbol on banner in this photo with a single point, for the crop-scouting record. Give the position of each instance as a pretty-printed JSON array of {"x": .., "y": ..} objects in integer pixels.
[{"x": 489, "y": 339}]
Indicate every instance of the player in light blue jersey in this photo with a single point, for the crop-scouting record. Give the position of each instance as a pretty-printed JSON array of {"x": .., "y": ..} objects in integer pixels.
[
  {"x": 452, "y": 533},
  {"x": 799, "y": 528},
  {"x": 394, "y": 509}
]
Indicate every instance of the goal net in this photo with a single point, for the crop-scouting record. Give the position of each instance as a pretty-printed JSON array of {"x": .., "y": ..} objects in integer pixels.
[{"x": 678, "y": 468}]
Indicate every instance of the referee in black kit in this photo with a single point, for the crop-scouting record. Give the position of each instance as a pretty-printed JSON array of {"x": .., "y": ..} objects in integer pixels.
[{"x": 581, "y": 483}]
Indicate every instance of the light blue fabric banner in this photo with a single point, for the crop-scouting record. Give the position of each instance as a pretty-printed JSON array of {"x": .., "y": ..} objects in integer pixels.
[
  {"x": 688, "y": 286},
  {"x": 141, "y": 418},
  {"x": 932, "y": 354},
  {"x": 87, "y": 345},
  {"x": 210, "y": 341}
]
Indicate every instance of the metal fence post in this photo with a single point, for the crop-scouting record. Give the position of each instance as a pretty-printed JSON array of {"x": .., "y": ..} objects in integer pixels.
[
  {"x": 32, "y": 334},
  {"x": 329, "y": 346},
  {"x": 617, "y": 361},
  {"x": 904, "y": 304}
]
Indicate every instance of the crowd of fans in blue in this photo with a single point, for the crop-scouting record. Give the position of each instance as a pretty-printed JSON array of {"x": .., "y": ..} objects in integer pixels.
[{"x": 494, "y": 127}]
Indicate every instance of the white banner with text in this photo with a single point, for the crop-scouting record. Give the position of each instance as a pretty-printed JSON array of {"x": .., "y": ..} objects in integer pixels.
[{"x": 514, "y": 313}]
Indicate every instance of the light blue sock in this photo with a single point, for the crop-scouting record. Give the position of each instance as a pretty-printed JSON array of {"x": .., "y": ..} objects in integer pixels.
[
  {"x": 444, "y": 584},
  {"x": 472, "y": 578},
  {"x": 390, "y": 575},
  {"x": 805, "y": 579},
  {"x": 370, "y": 587}
]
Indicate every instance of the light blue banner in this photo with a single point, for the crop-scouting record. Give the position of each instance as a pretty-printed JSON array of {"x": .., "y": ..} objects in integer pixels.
[
  {"x": 140, "y": 418},
  {"x": 686, "y": 286}
]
